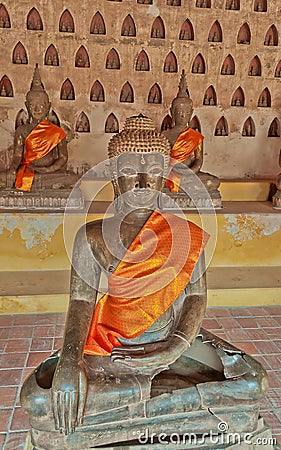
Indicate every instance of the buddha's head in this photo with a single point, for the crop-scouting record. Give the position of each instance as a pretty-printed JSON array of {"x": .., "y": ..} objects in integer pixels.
[
  {"x": 140, "y": 158},
  {"x": 182, "y": 106},
  {"x": 37, "y": 100}
]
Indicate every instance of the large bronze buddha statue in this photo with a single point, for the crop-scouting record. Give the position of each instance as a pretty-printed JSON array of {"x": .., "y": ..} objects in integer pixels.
[
  {"x": 39, "y": 160},
  {"x": 187, "y": 157},
  {"x": 135, "y": 362}
]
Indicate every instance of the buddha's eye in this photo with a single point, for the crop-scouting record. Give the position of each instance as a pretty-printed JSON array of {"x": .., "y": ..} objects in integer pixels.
[
  {"x": 127, "y": 171},
  {"x": 155, "y": 170}
]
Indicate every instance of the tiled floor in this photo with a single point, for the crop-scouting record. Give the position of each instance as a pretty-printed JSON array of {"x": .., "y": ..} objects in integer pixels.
[{"x": 25, "y": 340}]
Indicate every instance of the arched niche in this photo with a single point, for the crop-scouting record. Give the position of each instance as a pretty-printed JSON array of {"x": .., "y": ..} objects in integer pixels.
[
  {"x": 4, "y": 17},
  {"x": 221, "y": 128},
  {"x": 51, "y": 56},
  {"x": 19, "y": 54},
  {"x": 21, "y": 118},
  {"x": 170, "y": 63},
  {"x": 97, "y": 24},
  {"x": 228, "y": 66},
  {"x": 195, "y": 124},
  {"x": 82, "y": 123},
  {"x": 155, "y": 94},
  {"x": 111, "y": 124},
  {"x": 167, "y": 123},
  {"x": 112, "y": 60},
  {"x": 53, "y": 118},
  {"x": 274, "y": 128},
  {"x": 67, "y": 90},
  {"x": 277, "y": 72},
  {"x": 203, "y": 3},
  {"x": 127, "y": 93},
  {"x": 260, "y": 5},
  {"x": 271, "y": 37},
  {"x": 128, "y": 26},
  {"x": 66, "y": 23},
  {"x": 265, "y": 99},
  {"x": 244, "y": 34},
  {"x": 233, "y": 5},
  {"x": 82, "y": 58},
  {"x": 6, "y": 88},
  {"x": 33, "y": 20},
  {"x": 97, "y": 92},
  {"x": 215, "y": 33},
  {"x": 174, "y": 2},
  {"x": 142, "y": 63},
  {"x": 145, "y": 2},
  {"x": 249, "y": 129},
  {"x": 158, "y": 28},
  {"x": 210, "y": 97},
  {"x": 255, "y": 67},
  {"x": 186, "y": 31},
  {"x": 198, "y": 65},
  {"x": 238, "y": 98}
]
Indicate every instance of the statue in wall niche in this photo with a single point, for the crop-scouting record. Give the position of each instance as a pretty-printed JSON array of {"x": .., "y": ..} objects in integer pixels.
[
  {"x": 39, "y": 160},
  {"x": 187, "y": 155},
  {"x": 135, "y": 362},
  {"x": 276, "y": 199}
]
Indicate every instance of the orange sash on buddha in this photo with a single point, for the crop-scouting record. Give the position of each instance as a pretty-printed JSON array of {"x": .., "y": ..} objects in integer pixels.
[
  {"x": 154, "y": 271},
  {"x": 186, "y": 144},
  {"x": 42, "y": 139}
]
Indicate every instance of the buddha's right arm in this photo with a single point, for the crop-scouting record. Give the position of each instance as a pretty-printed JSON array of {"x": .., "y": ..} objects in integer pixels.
[
  {"x": 69, "y": 385},
  {"x": 18, "y": 151}
]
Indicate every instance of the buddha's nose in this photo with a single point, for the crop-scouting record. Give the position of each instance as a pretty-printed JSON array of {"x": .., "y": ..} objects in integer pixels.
[{"x": 142, "y": 182}]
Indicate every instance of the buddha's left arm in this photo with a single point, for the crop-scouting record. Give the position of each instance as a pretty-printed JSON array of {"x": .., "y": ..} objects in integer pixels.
[{"x": 198, "y": 159}]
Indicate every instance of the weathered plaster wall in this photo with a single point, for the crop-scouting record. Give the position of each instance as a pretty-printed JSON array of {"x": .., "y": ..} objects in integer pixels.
[
  {"x": 232, "y": 156},
  {"x": 244, "y": 259}
]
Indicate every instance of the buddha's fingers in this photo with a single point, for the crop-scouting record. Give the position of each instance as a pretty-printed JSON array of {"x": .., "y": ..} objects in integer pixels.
[
  {"x": 55, "y": 408},
  {"x": 82, "y": 397},
  {"x": 70, "y": 413},
  {"x": 61, "y": 411}
]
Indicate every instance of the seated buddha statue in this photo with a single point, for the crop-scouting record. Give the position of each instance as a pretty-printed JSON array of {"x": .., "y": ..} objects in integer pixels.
[
  {"x": 187, "y": 151},
  {"x": 39, "y": 160},
  {"x": 135, "y": 360}
]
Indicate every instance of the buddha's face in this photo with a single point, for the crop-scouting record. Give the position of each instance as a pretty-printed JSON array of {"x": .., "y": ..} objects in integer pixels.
[
  {"x": 140, "y": 178},
  {"x": 182, "y": 114},
  {"x": 38, "y": 106}
]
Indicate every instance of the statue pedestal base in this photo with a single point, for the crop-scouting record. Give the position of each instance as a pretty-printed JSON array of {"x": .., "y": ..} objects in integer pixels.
[
  {"x": 48, "y": 199},
  {"x": 173, "y": 200},
  {"x": 276, "y": 200}
]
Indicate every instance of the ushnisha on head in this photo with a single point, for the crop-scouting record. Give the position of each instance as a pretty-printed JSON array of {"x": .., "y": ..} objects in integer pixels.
[
  {"x": 182, "y": 99},
  {"x": 138, "y": 136},
  {"x": 37, "y": 99}
]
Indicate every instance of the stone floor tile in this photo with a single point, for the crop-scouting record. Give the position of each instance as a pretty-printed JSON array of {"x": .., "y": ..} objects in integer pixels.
[
  {"x": 20, "y": 421},
  {"x": 7, "y": 396},
  {"x": 10, "y": 377}
]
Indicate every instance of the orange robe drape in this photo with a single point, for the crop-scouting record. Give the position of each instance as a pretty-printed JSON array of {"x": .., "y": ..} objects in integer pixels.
[
  {"x": 42, "y": 139},
  {"x": 154, "y": 271},
  {"x": 186, "y": 144}
]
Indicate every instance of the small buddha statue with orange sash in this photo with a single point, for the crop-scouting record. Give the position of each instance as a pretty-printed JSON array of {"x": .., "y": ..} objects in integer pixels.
[
  {"x": 187, "y": 150},
  {"x": 40, "y": 154},
  {"x": 123, "y": 367},
  {"x": 276, "y": 199}
]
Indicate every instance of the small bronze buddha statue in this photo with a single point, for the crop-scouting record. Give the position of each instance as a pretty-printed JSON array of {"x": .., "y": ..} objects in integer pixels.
[
  {"x": 39, "y": 160},
  {"x": 187, "y": 155},
  {"x": 135, "y": 361}
]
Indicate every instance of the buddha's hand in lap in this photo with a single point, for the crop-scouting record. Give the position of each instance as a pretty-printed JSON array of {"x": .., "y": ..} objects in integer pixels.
[
  {"x": 69, "y": 389},
  {"x": 149, "y": 357}
]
